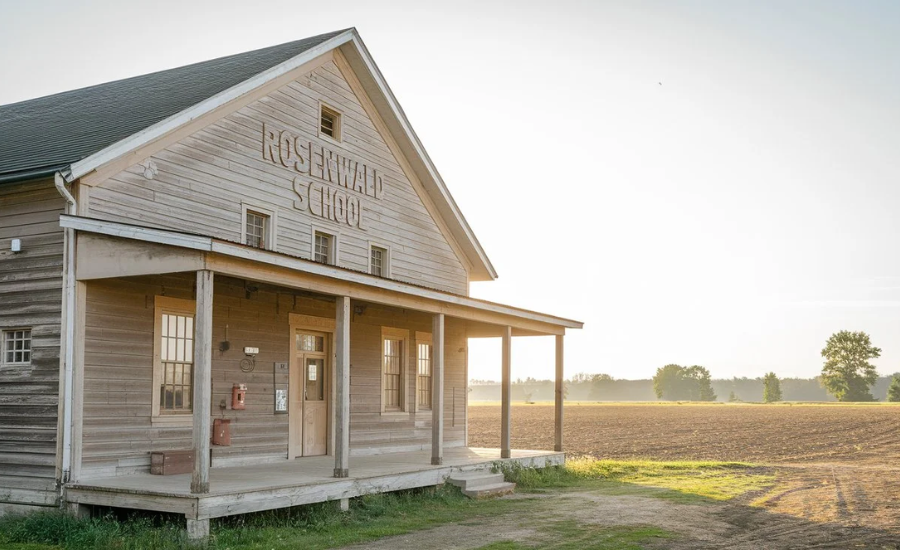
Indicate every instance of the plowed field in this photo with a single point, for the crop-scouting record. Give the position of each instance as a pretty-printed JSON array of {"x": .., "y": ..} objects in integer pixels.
[{"x": 767, "y": 434}]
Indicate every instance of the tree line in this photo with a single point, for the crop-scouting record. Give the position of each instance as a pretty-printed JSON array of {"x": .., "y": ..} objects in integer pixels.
[{"x": 847, "y": 375}]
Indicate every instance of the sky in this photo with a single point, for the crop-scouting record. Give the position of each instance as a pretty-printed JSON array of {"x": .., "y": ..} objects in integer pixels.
[{"x": 710, "y": 183}]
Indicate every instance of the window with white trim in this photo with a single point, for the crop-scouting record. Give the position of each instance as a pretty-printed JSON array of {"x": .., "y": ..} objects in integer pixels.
[
  {"x": 256, "y": 230},
  {"x": 258, "y": 226},
  {"x": 323, "y": 248},
  {"x": 423, "y": 377},
  {"x": 394, "y": 384},
  {"x": 378, "y": 258},
  {"x": 173, "y": 358},
  {"x": 329, "y": 122},
  {"x": 16, "y": 347}
]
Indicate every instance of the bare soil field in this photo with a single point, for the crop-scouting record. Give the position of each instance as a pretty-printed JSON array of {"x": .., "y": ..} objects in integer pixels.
[
  {"x": 837, "y": 467},
  {"x": 767, "y": 434}
]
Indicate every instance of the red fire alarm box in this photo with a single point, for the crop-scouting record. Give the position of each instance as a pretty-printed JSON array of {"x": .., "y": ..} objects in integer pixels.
[{"x": 238, "y": 393}]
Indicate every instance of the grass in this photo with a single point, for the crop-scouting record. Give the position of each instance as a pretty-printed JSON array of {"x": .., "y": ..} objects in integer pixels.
[
  {"x": 684, "y": 481},
  {"x": 376, "y": 516}
]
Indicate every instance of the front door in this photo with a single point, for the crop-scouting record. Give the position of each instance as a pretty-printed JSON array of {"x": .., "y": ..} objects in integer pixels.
[{"x": 309, "y": 395}]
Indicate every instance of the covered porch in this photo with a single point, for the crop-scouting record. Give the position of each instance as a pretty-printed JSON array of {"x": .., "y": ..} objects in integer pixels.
[{"x": 239, "y": 298}]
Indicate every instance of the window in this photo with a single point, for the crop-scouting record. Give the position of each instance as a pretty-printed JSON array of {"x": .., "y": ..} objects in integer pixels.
[
  {"x": 323, "y": 248},
  {"x": 423, "y": 378},
  {"x": 393, "y": 358},
  {"x": 329, "y": 123},
  {"x": 17, "y": 346},
  {"x": 394, "y": 379},
  {"x": 378, "y": 261},
  {"x": 256, "y": 229},
  {"x": 173, "y": 364}
]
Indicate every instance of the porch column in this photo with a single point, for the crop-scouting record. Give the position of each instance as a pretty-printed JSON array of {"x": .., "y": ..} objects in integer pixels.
[
  {"x": 202, "y": 380},
  {"x": 505, "y": 405},
  {"x": 342, "y": 376},
  {"x": 437, "y": 389},
  {"x": 560, "y": 395}
]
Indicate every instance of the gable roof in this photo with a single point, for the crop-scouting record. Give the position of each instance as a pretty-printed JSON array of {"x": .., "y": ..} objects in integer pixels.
[
  {"x": 45, "y": 134},
  {"x": 78, "y": 131}
]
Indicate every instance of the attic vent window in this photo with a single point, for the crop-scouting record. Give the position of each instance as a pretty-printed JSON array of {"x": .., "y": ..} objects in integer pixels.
[{"x": 329, "y": 123}]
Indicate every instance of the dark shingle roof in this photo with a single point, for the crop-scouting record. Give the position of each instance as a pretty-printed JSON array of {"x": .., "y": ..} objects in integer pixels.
[{"x": 41, "y": 135}]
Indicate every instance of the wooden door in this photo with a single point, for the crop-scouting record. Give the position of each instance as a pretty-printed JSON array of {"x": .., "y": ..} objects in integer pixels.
[{"x": 309, "y": 396}]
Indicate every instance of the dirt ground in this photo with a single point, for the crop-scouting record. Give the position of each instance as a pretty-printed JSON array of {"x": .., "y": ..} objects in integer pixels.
[{"x": 838, "y": 477}]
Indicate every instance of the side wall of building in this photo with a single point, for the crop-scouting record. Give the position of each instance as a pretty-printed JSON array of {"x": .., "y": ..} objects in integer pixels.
[
  {"x": 30, "y": 298},
  {"x": 118, "y": 430}
]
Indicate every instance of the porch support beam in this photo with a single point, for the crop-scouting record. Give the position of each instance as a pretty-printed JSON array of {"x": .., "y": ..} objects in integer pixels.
[
  {"x": 202, "y": 385},
  {"x": 437, "y": 389},
  {"x": 505, "y": 405},
  {"x": 342, "y": 376},
  {"x": 560, "y": 396}
]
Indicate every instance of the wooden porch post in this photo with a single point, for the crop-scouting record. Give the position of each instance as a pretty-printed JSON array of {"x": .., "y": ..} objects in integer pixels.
[
  {"x": 342, "y": 375},
  {"x": 505, "y": 406},
  {"x": 560, "y": 395},
  {"x": 202, "y": 380},
  {"x": 437, "y": 389}
]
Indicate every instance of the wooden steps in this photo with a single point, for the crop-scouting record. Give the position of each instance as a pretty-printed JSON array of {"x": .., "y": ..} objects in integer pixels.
[{"x": 481, "y": 484}]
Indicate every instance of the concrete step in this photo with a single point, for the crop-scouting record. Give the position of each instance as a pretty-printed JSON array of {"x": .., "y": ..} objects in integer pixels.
[
  {"x": 494, "y": 490},
  {"x": 474, "y": 480}
]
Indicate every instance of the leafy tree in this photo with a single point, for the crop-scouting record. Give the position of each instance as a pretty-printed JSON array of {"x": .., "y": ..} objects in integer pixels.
[
  {"x": 732, "y": 398},
  {"x": 771, "y": 388},
  {"x": 677, "y": 383},
  {"x": 893, "y": 393},
  {"x": 847, "y": 373}
]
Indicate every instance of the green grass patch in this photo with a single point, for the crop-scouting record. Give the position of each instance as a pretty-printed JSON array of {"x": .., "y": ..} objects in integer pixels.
[{"x": 683, "y": 480}]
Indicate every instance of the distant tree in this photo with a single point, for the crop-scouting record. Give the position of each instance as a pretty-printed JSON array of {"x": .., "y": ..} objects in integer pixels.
[
  {"x": 601, "y": 386},
  {"x": 847, "y": 373},
  {"x": 771, "y": 388},
  {"x": 677, "y": 383},
  {"x": 732, "y": 398},
  {"x": 893, "y": 393}
]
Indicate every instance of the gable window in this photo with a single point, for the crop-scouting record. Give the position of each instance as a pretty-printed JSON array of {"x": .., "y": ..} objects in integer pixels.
[
  {"x": 323, "y": 247},
  {"x": 378, "y": 258},
  {"x": 258, "y": 229},
  {"x": 329, "y": 123},
  {"x": 17, "y": 346},
  {"x": 423, "y": 376},
  {"x": 393, "y": 361},
  {"x": 173, "y": 358},
  {"x": 255, "y": 229}
]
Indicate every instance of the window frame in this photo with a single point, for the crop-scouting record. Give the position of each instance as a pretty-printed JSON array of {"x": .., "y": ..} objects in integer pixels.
[
  {"x": 390, "y": 333},
  {"x": 173, "y": 306},
  {"x": 385, "y": 260},
  {"x": 3, "y": 350},
  {"x": 337, "y": 128},
  {"x": 424, "y": 338},
  {"x": 270, "y": 230},
  {"x": 334, "y": 246}
]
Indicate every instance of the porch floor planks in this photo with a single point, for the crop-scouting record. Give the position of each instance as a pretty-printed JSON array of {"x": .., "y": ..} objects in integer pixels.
[{"x": 245, "y": 489}]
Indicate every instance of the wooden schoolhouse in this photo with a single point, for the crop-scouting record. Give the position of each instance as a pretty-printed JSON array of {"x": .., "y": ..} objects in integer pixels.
[{"x": 235, "y": 286}]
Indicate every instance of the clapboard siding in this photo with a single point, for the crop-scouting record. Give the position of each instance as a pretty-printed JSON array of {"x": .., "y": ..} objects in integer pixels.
[
  {"x": 31, "y": 297},
  {"x": 203, "y": 179},
  {"x": 118, "y": 430}
]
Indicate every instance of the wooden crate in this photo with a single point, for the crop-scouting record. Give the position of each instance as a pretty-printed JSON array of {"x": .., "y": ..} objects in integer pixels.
[{"x": 169, "y": 463}]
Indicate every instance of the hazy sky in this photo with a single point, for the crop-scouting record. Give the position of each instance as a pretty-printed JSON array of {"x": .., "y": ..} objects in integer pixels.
[{"x": 708, "y": 183}]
